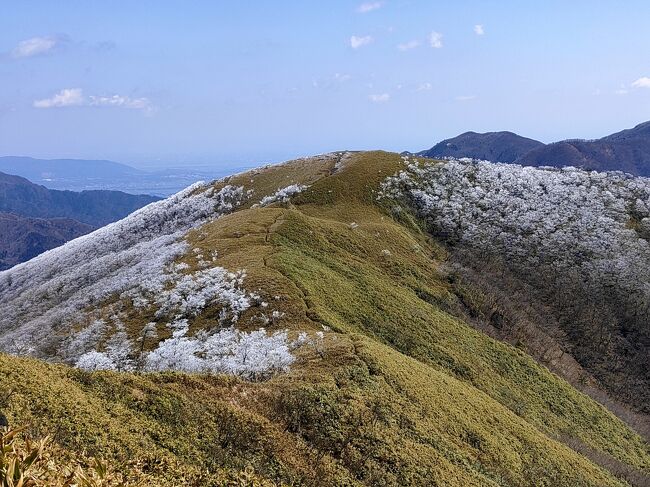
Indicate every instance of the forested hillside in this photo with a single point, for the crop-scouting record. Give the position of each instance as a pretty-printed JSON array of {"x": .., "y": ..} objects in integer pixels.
[
  {"x": 34, "y": 219},
  {"x": 19, "y": 196},
  {"x": 22, "y": 238}
]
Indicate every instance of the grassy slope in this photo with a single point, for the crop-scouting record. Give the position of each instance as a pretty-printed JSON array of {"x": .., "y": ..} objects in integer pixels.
[{"x": 404, "y": 393}]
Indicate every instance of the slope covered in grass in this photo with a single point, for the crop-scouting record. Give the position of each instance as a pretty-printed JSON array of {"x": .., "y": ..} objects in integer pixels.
[
  {"x": 372, "y": 417},
  {"x": 399, "y": 392}
]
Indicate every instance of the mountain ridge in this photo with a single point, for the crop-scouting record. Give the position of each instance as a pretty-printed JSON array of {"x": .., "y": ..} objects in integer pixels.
[
  {"x": 388, "y": 382},
  {"x": 627, "y": 150}
]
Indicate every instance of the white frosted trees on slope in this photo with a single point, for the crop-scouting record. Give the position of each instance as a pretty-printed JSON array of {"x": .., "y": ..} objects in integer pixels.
[
  {"x": 95, "y": 361},
  {"x": 255, "y": 355},
  {"x": 574, "y": 241},
  {"x": 564, "y": 218},
  {"x": 283, "y": 195},
  {"x": 131, "y": 256}
]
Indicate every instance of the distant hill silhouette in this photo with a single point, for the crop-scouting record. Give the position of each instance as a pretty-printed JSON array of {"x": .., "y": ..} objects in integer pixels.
[
  {"x": 38, "y": 170},
  {"x": 628, "y": 150},
  {"x": 34, "y": 219},
  {"x": 96, "y": 208},
  {"x": 490, "y": 146}
]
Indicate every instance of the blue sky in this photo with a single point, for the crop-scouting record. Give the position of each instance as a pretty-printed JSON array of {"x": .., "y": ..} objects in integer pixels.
[{"x": 236, "y": 82}]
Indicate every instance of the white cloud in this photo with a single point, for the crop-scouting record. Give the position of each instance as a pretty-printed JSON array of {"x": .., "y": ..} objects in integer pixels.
[
  {"x": 379, "y": 98},
  {"x": 479, "y": 30},
  {"x": 120, "y": 101},
  {"x": 425, "y": 87},
  {"x": 643, "y": 82},
  {"x": 342, "y": 77},
  {"x": 357, "y": 42},
  {"x": 621, "y": 91},
  {"x": 70, "y": 97},
  {"x": 35, "y": 46},
  {"x": 465, "y": 97},
  {"x": 65, "y": 98},
  {"x": 408, "y": 45},
  {"x": 369, "y": 7},
  {"x": 435, "y": 40}
]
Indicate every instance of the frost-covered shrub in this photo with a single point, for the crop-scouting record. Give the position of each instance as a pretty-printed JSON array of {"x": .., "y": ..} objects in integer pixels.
[
  {"x": 53, "y": 289},
  {"x": 95, "y": 361},
  {"x": 176, "y": 353},
  {"x": 577, "y": 240},
  {"x": 149, "y": 330},
  {"x": 283, "y": 195},
  {"x": 174, "y": 293},
  {"x": 85, "y": 339},
  {"x": 119, "y": 351},
  {"x": 302, "y": 340},
  {"x": 255, "y": 355}
]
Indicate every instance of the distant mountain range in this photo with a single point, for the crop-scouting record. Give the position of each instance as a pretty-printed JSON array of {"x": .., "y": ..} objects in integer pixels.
[
  {"x": 34, "y": 219},
  {"x": 627, "y": 151},
  {"x": 22, "y": 197},
  {"x": 82, "y": 175},
  {"x": 57, "y": 169}
]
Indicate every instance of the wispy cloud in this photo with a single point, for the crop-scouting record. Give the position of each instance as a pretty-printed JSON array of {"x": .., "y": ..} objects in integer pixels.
[
  {"x": 621, "y": 91},
  {"x": 342, "y": 77},
  {"x": 408, "y": 45},
  {"x": 465, "y": 97},
  {"x": 71, "y": 97},
  {"x": 366, "y": 7},
  {"x": 36, "y": 46},
  {"x": 359, "y": 41},
  {"x": 643, "y": 82},
  {"x": 379, "y": 98},
  {"x": 424, "y": 87},
  {"x": 68, "y": 97},
  {"x": 435, "y": 40},
  {"x": 120, "y": 101},
  {"x": 479, "y": 30}
]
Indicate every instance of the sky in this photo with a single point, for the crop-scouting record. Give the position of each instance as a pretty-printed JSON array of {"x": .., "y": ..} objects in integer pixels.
[{"x": 225, "y": 83}]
